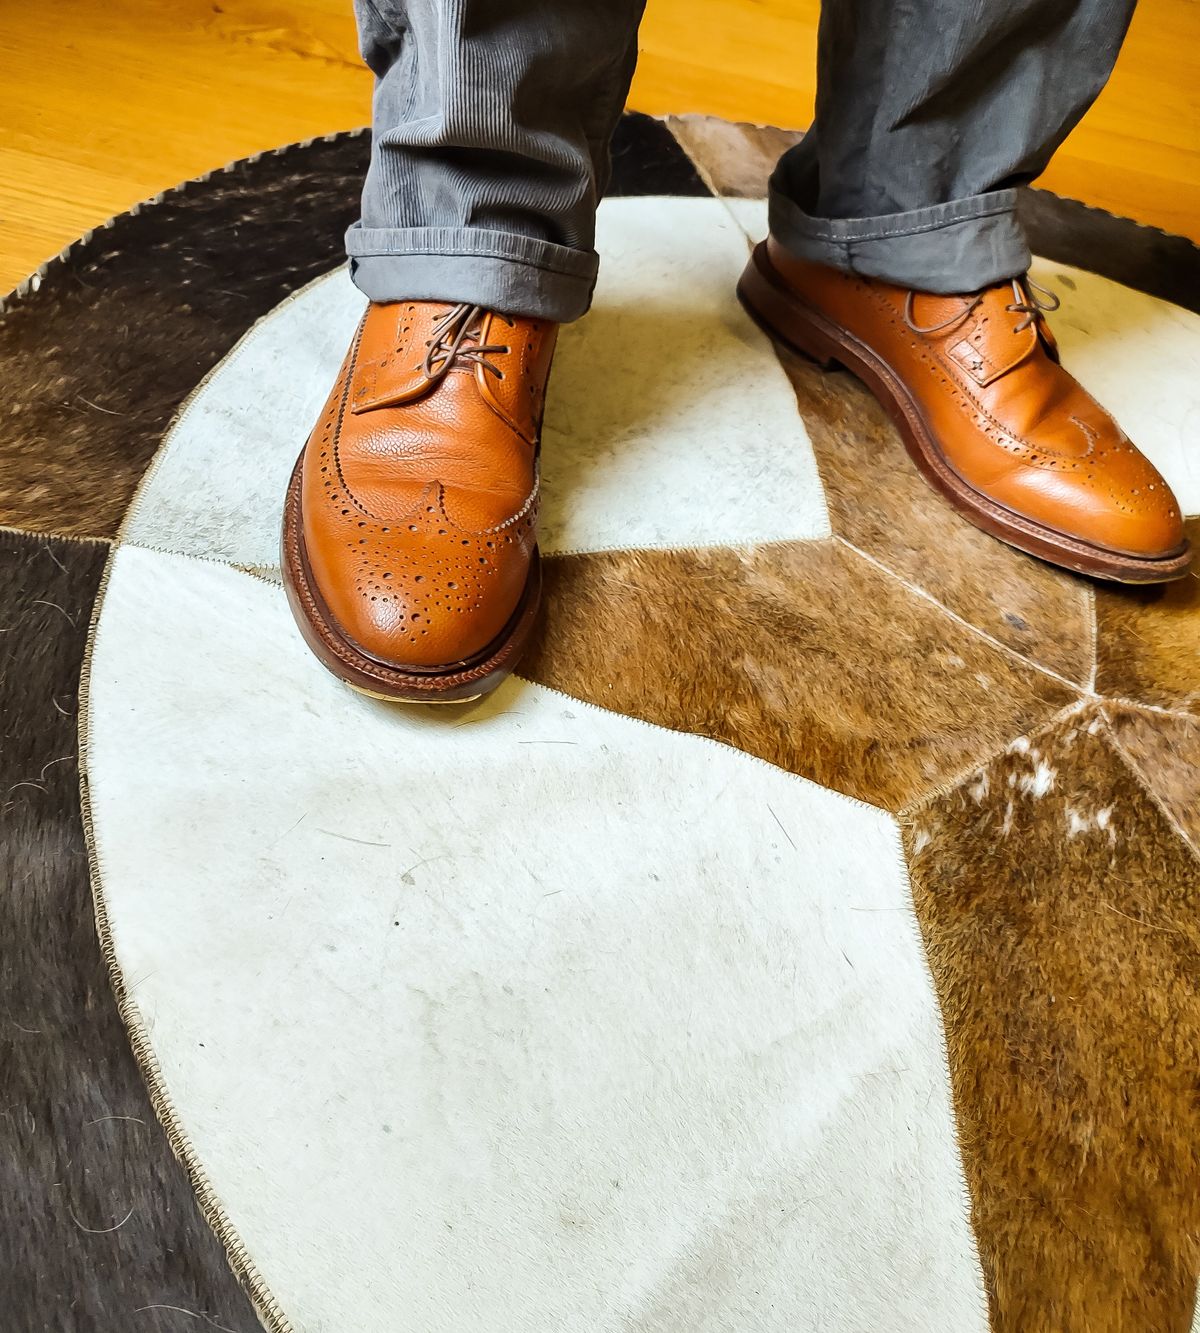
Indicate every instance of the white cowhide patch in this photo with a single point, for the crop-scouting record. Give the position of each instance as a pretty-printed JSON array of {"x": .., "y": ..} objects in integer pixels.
[
  {"x": 526, "y": 1018},
  {"x": 669, "y": 423}
]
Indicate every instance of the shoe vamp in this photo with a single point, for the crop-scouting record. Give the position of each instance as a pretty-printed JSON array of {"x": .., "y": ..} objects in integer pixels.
[
  {"x": 1041, "y": 406},
  {"x": 389, "y": 458}
]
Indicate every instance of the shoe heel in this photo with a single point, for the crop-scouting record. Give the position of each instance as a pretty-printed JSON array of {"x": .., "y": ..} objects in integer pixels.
[{"x": 781, "y": 316}]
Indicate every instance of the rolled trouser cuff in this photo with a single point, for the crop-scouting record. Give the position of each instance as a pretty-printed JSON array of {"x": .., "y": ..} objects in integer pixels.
[
  {"x": 948, "y": 248},
  {"x": 502, "y": 271}
]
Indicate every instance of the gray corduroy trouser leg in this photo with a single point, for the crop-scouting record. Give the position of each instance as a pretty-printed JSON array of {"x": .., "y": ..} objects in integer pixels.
[{"x": 492, "y": 120}]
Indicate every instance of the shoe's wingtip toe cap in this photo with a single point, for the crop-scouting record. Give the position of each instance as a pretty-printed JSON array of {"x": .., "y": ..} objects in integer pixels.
[{"x": 406, "y": 610}]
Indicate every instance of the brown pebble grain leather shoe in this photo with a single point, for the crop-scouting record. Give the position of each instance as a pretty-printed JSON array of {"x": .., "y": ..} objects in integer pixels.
[
  {"x": 409, "y": 531},
  {"x": 985, "y": 410}
]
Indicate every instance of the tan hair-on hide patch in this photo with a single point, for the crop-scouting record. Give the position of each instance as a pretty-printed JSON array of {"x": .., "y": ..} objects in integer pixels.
[
  {"x": 881, "y": 504},
  {"x": 1164, "y": 750},
  {"x": 1059, "y": 912},
  {"x": 802, "y": 653},
  {"x": 1148, "y": 640}
]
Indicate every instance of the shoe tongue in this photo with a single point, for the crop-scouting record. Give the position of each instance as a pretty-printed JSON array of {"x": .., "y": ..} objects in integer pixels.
[
  {"x": 518, "y": 395},
  {"x": 393, "y": 355},
  {"x": 980, "y": 334},
  {"x": 402, "y": 354}
]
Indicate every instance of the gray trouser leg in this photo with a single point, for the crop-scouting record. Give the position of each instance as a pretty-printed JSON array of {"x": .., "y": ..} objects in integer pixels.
[
  {"x": 491, "y": 127},
  {"x": 929, "y": 113}
]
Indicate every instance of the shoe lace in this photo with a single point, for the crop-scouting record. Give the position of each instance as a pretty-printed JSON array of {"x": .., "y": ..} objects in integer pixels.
[
  {"x": 1031, "y": 307},
  {"x": 1031, "y": 301},
  {"x": 448, "y": 345}
]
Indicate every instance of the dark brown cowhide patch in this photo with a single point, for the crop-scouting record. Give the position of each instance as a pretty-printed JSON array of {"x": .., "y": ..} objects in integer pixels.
[
  {"x": 98, "y": 356},
  {"x": 802, "y": 653},
  {"x": 1058, "y": 907},
  {"x": 101, "y": 1229},
  {"x": 95, "y": 362}
]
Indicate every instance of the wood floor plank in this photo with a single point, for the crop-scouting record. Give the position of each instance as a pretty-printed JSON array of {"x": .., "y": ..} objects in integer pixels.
[{"x": 96, "y": 115}]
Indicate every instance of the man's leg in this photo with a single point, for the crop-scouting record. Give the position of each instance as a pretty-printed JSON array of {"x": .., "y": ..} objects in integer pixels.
[
  {"x": 928, "y": 115},
  {"x": 492, "y": 121},
  {"x": 410, "y": 526},
  {"x": 895, "y": 251}
]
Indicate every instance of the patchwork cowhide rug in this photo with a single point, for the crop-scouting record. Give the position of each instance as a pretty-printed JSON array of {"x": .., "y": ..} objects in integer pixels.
[{"x": 807, "y": 940}]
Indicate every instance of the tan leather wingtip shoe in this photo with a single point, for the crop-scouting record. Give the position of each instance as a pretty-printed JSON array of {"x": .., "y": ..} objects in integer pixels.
[
  {"x": 986, "y": 412},
  {"x": 409, "y": 534}
]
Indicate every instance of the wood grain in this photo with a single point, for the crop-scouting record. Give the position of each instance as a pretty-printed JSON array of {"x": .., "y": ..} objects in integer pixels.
[{"x": 100, "y": 108}]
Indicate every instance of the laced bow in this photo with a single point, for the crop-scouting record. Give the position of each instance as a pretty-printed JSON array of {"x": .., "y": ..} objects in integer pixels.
[
  {"x": 1030, "y": 300},
  {"x": 448, "y": 343},
  {"x": 1032, "y": 306}
]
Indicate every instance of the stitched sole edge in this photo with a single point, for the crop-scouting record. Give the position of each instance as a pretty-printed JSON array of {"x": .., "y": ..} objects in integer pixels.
[
  {"x": 461, "y": 683},
  {"x": 782, "y": 315}
]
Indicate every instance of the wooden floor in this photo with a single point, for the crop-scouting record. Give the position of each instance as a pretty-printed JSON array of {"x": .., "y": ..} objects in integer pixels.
[{"x": 103, "y": 105}]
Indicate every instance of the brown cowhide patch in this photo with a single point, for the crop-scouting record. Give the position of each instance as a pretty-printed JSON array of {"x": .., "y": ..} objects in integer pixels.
[
  {"x": 1058, "y": 907},
  {"x": 1164, "y": 750},
  {"x": 1148, "y": 640},
  {"x": 734, "y": 159},
  {"x": 802, "y": 653},
  {"x": 881, "y": 504},
  {"x": 101, "y": 1230}
]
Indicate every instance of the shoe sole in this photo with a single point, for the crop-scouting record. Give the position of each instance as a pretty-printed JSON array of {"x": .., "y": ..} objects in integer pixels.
[
  {"x": 776, "y": 309},
  {"x": 458, "y": 683}
]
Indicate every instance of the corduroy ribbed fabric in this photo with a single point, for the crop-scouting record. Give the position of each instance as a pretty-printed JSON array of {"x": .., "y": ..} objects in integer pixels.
[
  {"x": 929, "y": 113},
  {"x": 492, "y": 120}
]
